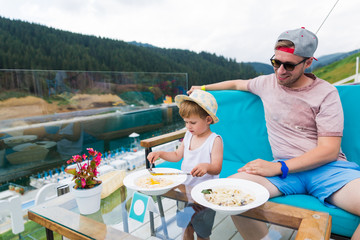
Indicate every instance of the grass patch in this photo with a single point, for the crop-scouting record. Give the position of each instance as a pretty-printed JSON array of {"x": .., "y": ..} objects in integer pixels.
[
  {"x": 338, "y": 70},
  {"x": 32, "y": 231},
  {"x": 12, "y": 94}
]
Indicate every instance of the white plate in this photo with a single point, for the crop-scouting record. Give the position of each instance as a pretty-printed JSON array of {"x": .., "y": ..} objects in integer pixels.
[
  {"x": 13, "y": 141},
  {"x": 260, "y": 193},
  {"x": 129, "y": 180},
  {"x": 44, "y": 144}
]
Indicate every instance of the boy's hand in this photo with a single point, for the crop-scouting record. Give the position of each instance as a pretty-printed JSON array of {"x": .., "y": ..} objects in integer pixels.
[
  {"x": 153, "y": 156},
  {"x": 199, "y": 170}
]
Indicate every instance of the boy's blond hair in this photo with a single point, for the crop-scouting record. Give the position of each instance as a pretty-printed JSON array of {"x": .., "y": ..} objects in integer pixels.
[{"x": 190, "y": 108}]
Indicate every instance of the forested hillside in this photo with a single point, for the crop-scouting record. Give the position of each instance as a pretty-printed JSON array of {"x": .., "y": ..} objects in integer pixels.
[
  {"x": 340, "y": 69},
  {"x": 31, "y": 46}
]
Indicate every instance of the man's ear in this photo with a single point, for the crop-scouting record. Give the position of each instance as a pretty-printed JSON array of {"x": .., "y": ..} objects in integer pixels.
[{"x": 308, "y": 62}]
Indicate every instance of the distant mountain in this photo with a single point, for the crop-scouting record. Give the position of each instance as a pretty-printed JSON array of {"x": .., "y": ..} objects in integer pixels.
[
  {"x": 32, "y": 46},
  {"x": 329, "y": 59},
  {"x": 340, "y": 69},
  {"x": 142, "y": 44},
  {"x": 262, "y": 68}
]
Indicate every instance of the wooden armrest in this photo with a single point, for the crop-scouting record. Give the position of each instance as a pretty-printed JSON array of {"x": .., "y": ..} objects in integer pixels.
[{"x": 154, "y": 141}]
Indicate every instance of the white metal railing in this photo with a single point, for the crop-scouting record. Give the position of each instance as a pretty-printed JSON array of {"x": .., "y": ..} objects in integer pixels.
[
  {"x": 355, "y": 77},
  {"x": 357, "y": 70}
]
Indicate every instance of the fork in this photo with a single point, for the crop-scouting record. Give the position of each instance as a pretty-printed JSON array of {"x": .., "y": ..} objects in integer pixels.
[{"x": 175, "y": 173}]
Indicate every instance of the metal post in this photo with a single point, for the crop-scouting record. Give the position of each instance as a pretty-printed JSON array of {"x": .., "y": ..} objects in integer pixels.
[
  {"x": 357, "y": 70},
  {"x": 49, "y": 234},
  {"x": 152, "y": 225},
  {"x": 162, "y": 216},
  {"x": 151, "y": 214},
  {"x": 147, "y": 163},
  {"x": 61, "y": 190}
]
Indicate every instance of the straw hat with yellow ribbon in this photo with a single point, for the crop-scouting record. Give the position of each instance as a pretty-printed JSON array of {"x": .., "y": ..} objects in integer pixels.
[{"x": 204, "y": 99}]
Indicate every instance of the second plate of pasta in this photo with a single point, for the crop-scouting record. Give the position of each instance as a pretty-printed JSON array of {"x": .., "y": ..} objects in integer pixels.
[{"x": 230, "y": 196}]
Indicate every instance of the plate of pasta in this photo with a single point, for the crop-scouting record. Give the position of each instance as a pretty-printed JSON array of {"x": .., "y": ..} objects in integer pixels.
[
  {"x": 148, "y": 184},
  {"x": 230, "y": 196}
]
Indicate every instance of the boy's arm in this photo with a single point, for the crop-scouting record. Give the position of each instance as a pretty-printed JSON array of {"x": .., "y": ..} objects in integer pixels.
[
  {"x": 215, "y": 166},
  {"x": 225, "y": 85},
  {"x": 174, "y": 156},
  {"x": 216, "y": 157}
]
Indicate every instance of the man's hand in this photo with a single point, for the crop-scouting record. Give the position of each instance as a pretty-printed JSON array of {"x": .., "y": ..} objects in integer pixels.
[
  {"x": 262, "y": 168},
  {"x": 193, "y": 88}
]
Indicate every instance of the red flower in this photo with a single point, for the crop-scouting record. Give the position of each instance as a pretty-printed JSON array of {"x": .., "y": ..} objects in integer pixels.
[
  {"x": 91, "y": 151},
  {"x": 83, "y": 183},
  {"x": 86, "y": 169},
  {"x": 84, "y": 166}
]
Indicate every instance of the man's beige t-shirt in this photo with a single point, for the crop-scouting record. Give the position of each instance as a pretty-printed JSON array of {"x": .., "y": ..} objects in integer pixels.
[{"x": 295, "y": 118}]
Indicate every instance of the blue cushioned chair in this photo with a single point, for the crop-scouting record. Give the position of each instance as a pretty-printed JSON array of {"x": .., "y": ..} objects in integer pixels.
[{"x": 243, "y": 129}]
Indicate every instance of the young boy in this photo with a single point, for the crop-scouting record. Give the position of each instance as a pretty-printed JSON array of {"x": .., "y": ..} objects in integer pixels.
[{"x": 201, "y": 151}]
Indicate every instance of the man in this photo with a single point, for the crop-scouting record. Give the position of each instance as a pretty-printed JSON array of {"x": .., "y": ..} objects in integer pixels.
[{"x": 304, "y": 119}]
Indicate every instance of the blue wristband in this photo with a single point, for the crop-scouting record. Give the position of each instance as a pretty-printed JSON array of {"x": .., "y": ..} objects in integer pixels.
[{"x": 284, "y": 170}]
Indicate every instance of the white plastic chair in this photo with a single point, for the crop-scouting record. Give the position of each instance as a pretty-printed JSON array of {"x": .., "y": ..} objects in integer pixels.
[
  {"x": 46, "y": 192},
  {"x": 13, "y": 204}
]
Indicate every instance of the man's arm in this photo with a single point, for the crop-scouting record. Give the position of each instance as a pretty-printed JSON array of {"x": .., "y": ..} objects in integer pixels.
[
  {"x": 327, "y": 150},
  {"x": 225, "y": 85}
]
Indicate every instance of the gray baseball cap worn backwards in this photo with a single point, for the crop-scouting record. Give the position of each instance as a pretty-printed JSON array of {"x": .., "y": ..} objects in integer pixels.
[{"x": 305, "y": 42}]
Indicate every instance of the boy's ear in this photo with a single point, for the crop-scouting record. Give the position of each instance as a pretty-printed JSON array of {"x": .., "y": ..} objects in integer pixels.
[{"x": 209, "y": 120}]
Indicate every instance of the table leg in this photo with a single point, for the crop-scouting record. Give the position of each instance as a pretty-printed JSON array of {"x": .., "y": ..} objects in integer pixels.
[
  {"x": 125, "y": 217},
  {"x": 49, "y": 234},
  {"x": 152, "y": 226},
  {"x": 162, "y": 216}
]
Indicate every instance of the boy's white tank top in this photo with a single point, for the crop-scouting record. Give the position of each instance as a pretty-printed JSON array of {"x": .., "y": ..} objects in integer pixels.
[{"x": 193, "y": 157}]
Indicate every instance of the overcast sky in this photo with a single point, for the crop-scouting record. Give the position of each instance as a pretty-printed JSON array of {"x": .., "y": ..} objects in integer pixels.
[{"x": 244, "y": 30}]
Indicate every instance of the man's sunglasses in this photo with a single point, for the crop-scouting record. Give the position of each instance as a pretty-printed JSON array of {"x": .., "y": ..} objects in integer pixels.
[{"x": 288, "y": 66}]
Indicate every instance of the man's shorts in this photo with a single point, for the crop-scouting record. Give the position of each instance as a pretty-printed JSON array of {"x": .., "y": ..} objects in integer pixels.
[{"x": 320, "y": 182}]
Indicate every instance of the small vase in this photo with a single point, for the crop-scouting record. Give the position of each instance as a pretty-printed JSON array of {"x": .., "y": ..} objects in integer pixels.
[{"x": 88, "y": 200}]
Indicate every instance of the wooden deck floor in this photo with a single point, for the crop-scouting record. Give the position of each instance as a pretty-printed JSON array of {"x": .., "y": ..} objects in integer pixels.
[{"x": 223, "y": 227}]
